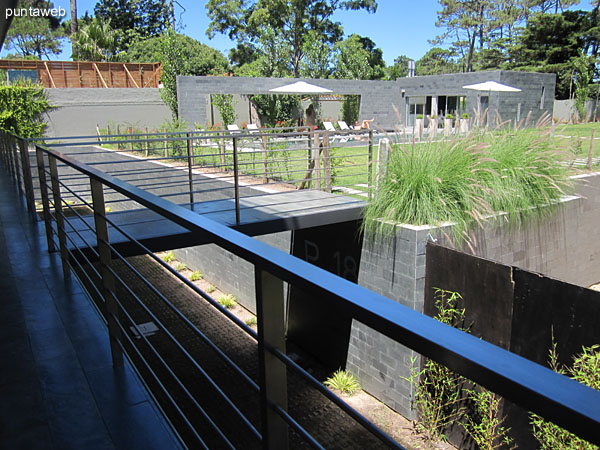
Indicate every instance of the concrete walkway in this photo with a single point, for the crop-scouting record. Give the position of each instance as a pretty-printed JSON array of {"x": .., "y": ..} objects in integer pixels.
[{"x": 57, "y": 384}]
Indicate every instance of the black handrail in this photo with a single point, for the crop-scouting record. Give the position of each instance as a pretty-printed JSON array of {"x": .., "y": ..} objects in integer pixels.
[{"x": 555, "y": 397}]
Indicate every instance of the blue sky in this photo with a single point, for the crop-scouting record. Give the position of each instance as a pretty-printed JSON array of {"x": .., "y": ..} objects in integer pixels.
[{"x": 399, "y": 27}]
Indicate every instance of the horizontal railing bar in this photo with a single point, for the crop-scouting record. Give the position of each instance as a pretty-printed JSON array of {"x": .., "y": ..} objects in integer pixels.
[
  {"x": 160, "y": 384},
  {"x": 190, "y": 284},
  {"x": 164, "y": 363},
  {"x": 334, "y": 398},
  {"x": 553, "y": 396},
  {"x": 295, "y": 425},
  {"x": 194, "y": 133},
  {"x": 174, "y": 340},
  {"x": 189, "y": 323}
]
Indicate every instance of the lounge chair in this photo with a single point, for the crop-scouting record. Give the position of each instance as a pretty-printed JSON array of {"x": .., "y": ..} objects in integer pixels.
[
  {"x": 343, "y": 125},
  {"x": 331, "y": 129},
  {"x": 252, "y": 128},
  {"x": 233, "y": 128}
]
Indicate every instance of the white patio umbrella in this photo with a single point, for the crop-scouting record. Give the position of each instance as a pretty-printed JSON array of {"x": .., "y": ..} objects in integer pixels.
[
  {"x": 490, "y": 86},
  {"x": 300, "y": 87}
]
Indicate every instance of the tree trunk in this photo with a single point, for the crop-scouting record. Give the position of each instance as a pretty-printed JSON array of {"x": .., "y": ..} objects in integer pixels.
[{"x": 74, "y": 26}]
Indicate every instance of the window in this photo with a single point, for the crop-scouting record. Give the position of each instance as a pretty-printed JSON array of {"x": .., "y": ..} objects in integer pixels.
[{"x": 543, "y": 95}]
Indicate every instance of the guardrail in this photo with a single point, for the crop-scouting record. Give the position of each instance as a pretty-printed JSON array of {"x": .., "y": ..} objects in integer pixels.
[
  {"x": 234, "y": 165},
  {"x": 553, "y": 396}
]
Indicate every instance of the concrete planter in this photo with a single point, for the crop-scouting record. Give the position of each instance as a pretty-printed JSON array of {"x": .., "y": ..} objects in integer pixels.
[
  {"x": 418, "y": 128},
  {"x": 448, "y": 126},
  {"x": 560, "y": 246},
  {"x": 432, "y": 127},
  {"x": 464, "y": 125}
]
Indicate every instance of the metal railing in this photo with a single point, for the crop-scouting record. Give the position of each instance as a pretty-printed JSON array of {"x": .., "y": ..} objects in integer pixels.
[
  {"x": 186, "y": 167},
  {"x": 538, "y": 389}
]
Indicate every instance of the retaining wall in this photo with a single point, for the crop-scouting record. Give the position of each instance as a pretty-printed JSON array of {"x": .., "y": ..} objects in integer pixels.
[
  {"x": 79, "y": 110},
  {"x": 565, "y": 245}
]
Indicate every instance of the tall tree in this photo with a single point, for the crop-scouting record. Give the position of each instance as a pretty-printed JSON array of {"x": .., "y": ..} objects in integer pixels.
[
  {"x": 466, "y": 22},
  {"x": 95, "y": 41},
  {"x": 437, "y": 61},
  {"x": 550, "y": 43},
  {"x": 291, "y": 21},
  {"x": 73, "y": 16},
  {"x": 135, "y": 19},
  {"x": 357, "y": 58},
  {"x": 200, "y": 59},
  {"x": 318, "y": 57},
  {"x": 35, "y": 35},
  {"x": 399, "y": 69}
]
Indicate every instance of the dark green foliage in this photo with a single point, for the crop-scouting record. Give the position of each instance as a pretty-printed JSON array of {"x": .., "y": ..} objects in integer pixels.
[
  {"x": 35, "y": 36},
  {"x": 289, "y": 22},
  {"x": 276, "y": 110},
  {"x": 437, "y": 61},
  {"x": 357, "y": 58},
  {"x": 350, "y": 108},
  {"x": 200, "y": 59},
  {"x": 399, "y": 69},
  {"x": 224, "y": 103},
  {"x": 22, "y": 106},
  {"x": 135, "y": 19}
]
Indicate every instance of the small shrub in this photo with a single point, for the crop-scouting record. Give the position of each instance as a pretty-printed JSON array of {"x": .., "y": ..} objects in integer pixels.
[
  {"x": 343, "y": 381},
  {"x": 484, "y": 424},
  {"x": 227, "y": 301},
  {"x": 169, "y": 257},
  {"x": 251, "y": 321},
  {"x": 465, "y": 115},
  {"x": 22, "y": 108},
  {"x": 419, "y": 116},
  {"x": 449, "y": 116},
  {"x": 180, "y": 266},
  {"x": 196, "y": 275},
  {"x": 586, "y": 370},
  {"x": 438, "y": 390},
  {"x": 210, "y": 289}
]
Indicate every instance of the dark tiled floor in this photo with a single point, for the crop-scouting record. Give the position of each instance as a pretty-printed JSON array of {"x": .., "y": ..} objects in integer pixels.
[{"x": 58, "y": 389}]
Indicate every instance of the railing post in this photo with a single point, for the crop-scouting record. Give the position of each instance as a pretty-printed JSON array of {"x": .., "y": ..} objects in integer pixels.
[
  {"x": 264, "y": 159},
  {"x": 190, "y": 152},
  {"x": 317, "y": 149},
  {"x": 59, "y": 217},
  {"x": 147, "y": 143},
  {"x": 45, "y": 203},
  {"x": 15, "y": 158},
  {"x": 236, "y": 181},
  {"x": 108, "y": 280},
  {"x": 311, "y": 137},
  {"x": 326, "y": 164},
  {"x": 370, "y": 166},
  {"x": 27, "y": 178},
  {"x": 273, "y": 373},
  {"x": 382, "y": 160}
]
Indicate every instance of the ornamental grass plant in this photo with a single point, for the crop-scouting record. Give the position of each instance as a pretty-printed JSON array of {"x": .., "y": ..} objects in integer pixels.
[{"x": 468, "y": 180}]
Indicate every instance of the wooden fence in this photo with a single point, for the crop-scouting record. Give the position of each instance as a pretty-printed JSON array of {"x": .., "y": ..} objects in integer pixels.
[{"x": 83, "y": 74}]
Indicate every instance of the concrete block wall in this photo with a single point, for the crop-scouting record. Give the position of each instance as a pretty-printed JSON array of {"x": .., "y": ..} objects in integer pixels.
[
  {"x": 564, "y": 245},
  {"x": 79, "y": 110},
  {"x": 377, "y": 97},
  {"x": 505, "y": 103}
]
